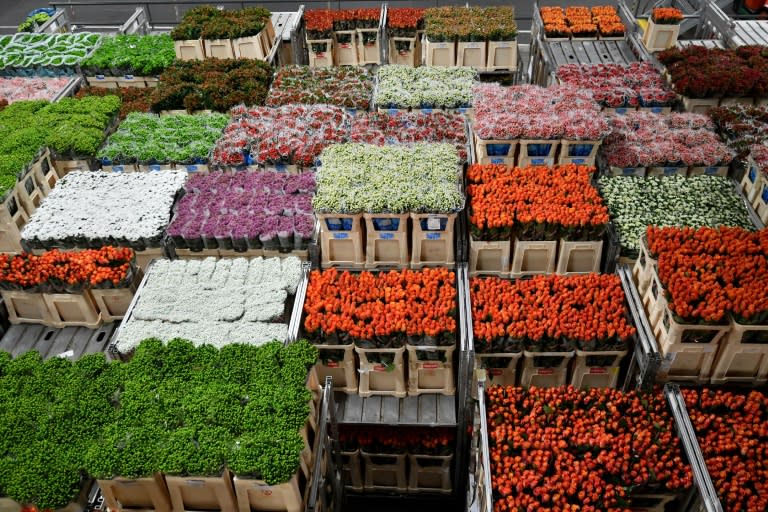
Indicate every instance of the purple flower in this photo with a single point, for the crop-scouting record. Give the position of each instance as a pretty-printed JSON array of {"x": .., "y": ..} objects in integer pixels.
[{"x": 304, "y": 225}]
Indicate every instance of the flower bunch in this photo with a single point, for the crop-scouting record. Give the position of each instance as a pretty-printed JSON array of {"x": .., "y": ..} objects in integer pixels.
[
  {"x": 388, "y": 179},
  {"x": 131, "y": 55},
  {"x": 641, "y": 139},
  {"x": 411, "y": 127},
  {"x": 132, "y": 99},
  {"x": 470, "y": 24},
  {"x": 385, "y": 310},
  {"x": 533, "y": 112},
  {"x": 535, "y": 203},
  {"x": 730, "y": 428},
  {"x": 30, "y": 50},
  {"x": 741, "y": 126},
  {"x": 212, "y": 84},
  {"x": 608, "y": 22},
  {"x": 424, "y": 87},
  {"x": 215, "y": 302},
  {"x": 759, "y": 153},
  {"x": 549, "y": 313},
  {"x": 579, "y": 21},
  {"x": 148, "y": 138},
  {"x": 291, "y": 134},
  {"x": 635, "y": 203},
  {"x": 667, "y": 16},
  {"x": 321, "y": 22},
  {"x": 208, "y": 22},
  {"x": 405, "y": 21},
  {"x": 318, "y": 23},
  {"x": 344, "y": 86},
  {"x": 619, "y": 85},
  {"x": 63, "y": 270},
  {"x": 245, "y": 211},
  {"x": 31, "y": 88},
  {"x": 700, "y": 72},
  {"x": 397, "y": 440},
  {"x": 570, "y": 449},
  {"x": 709, "y": 272}
]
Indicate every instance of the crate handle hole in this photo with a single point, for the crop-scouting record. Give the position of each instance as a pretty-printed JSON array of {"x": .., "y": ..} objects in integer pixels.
[
  {"x": 48, "y": 335},
  {"x": 101, "y": 337}
]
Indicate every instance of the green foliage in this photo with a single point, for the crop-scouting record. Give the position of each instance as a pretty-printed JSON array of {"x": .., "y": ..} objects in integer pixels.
[
  {"x": 208, "y": 22},
  {"x": 131, "y": 54}
]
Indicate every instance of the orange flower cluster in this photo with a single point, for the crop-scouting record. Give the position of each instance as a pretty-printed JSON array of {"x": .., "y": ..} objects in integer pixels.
[
  {"x": 545, "y": 310},
  {"x": 535, "y": 203},
  {"x": 108, "y": 266},
  {"x": 709, "y": 272},
  {"x": 579, "y": 21},
  {"x": 667, "y": 15},
  {"x": 567, "y": 449},
  {"x": 386, "y": 308}
]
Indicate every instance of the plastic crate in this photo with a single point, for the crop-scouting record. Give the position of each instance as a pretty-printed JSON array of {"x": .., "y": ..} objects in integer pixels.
[
  {"x": 537, "y": 152},
  {"x": 489, "y": 258},
  {"x": 45, "y": 173},
  {"x": 580, "y": 152},
  {"x": 432, "y": 240},
  {"x": 724, "y": 102},
  {"x": 384, "y": 471},
  {"x": 113, "y": 303},
  {"x": 204, "y": 493},
  {"x": 534, "y": 257},
  {"x": 579, "y": 257},
  {"x": 72, "y": 310},
  {"x": 495, "y": 151},
  {"x": 660, "y": 37},
  {"x": 320, "y": 59},
  {"x": 341, "y": 240},
  {"x": 752, "y": 182},
  {"x": 500, "y": 368},
  {"x": 743, "y": 355},
  {"x": 598, "y": 369},
  {"x": 429, "y": 473},
  {"x": 351, "y": 469},
  {"x": 190, "y": 49},
  {"x": 545, "y": 369},
  {"x": 430, "y": 375},
  {"x": 440, "y": 54},
  {"x": 627, "y": 171},
  {"x": 699, "y": 105},
  {"x": 404, "y": 58},
  {"x": 143, "y": 258},
  {"x": 642, "y": 270},
  {"x": 379, "y": 379},
  {"x": 251, "y": 47},
  {"x": 26, "y": 307},
  {"x": 30, "y": 196},
  {"x": 254, "y": 494},
  {"x": 345, "y": 54},
  {"x": 368, "y": 53},
  {"x": 712, "y": 170},
  {"x": 502, "y": 55},
  {"x": 472, "y": 54},
  {"x": 386, "y": 240},
  {"x": 131, "y": 81},
  {"x": 123, "y": 494},
  {"x": 343, "y": 372}
]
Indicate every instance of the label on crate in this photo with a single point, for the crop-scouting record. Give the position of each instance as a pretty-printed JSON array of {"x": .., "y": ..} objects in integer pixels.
[
  {"x": 433, "y": 236},
  {"x": 433, "y": 223},
  {"x": 628, "y": 171},
  {"x": 442, "y": 45},
  {"x": 340, "y": 236},
  {"x": 191, "y": 168},
  {"x": 195, "y": 483},
  {"x": 332, "y": 364},
  {"x": 710, "y": 171},
  {"x": 386, "y": 236},
  {"x": 497, "y": 160},
  {"x": 431, "y": 366},
  {"x": 503, "y": 45},
  {"x": 392, "y": 111},
  {"x": 657, "y": 110},
  {"x": 473, "y": 45},
  {"x": 752, "y": 174},
  {"x": 99, "y": 77},
  {"x": 621, "y": 110},
  {"x": 598, "y": 370},
  {"x": 280, "y": 168},
  {"x": 379, "y": 368},
  {"x": 764, "y": 195},
  {"x": 154, "y": 168},
  {"x": 577, "y": 160},
  {"x": 426, "y": 110},
  {"x": 671, "y": 171},
  {"x": 128, "y": 77},
  {"x": 538, "y": 161},
  {"x": 545, "y": 371},
  {"x": 118, "y": 168}
]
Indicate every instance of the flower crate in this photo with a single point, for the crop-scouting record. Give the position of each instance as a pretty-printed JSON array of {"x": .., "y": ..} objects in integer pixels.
[
  {"x": 699, "y": 105},
  {"x": 351, "y": 470},
  {"x": 489, "y": 258},
  {"x": 341, "y": 368},
  {"x": 713, "y": 170},
  {"x": 385, "y": 472},
  {"x": 581, "y": 152},
  {"x": 537, "y": 152},
  {"x": 131, "y": 81},
  {"x": 432, "y": 240},
  {"x": 190, "y": 49},
  {"x": 156, "y": 167},
  {"x": 249, "y": 48},
  {"x": 431, "y": 374},
  {"x": 345, "y": 53},
  {"x": 472, "y": 54},
  {"x": 545, "y": 369},
  {"x": 627, "y": 171},
  {"x": 218, "y": 48},
  {"x": 743, "y": 355},
  {"x": 643, "y": 268},
  {"x": 672, "y": 170},
  {"x": 120, "y": 168},
  {"x": 201, "y": 493},
  {"x": 72, "y": 310},
  {"x": 751, "y": 183},
  {"x": 387, "y": 240},
  {"x": 105, "y": 82},
  {"x": 502, "y": 55},
  {"x": 368, "y": 53},
  {"x": 656, "y": 110},
  {"x": 500, "y": 368},
  {"x": 320, "y": 53},
  {"x": 531, "y": 258},
  {"x": 44, "y": 173},
  {"x": 113, "y": 303},
  {"x": 29, "y": 194},
  {"x": 122, "y": 494},
  {"x": 64, "y": 167},
  {"x": 341, "y": 240},
  {"x": 143, "y": 258},
  {"x": 381, "y": 379},
  {"x": 579, "y": 257},
  {"x": 724, "y": 102},
  {"x": 622, "y": 111},
  {"x": 404, "y": 57},
  {"x": 429, "y": 473},
  {"x": 495, "y": 151},
  {"x": 660, "y": 37},
  {"x": 440, "y": 54},
  {"x": 761, "y": 202},
  {"x": 253, "y": 494},
  {"x": 25, "y": 307},
  {"x": 688, "y": 350},
  {"x": 598, "y": 369}
]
